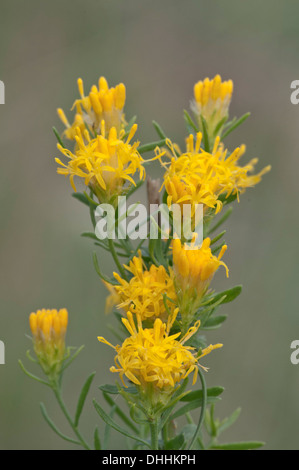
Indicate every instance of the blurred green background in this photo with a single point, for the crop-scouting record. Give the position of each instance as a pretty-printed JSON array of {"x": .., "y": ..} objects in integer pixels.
[{"x": 159, "y": 49}]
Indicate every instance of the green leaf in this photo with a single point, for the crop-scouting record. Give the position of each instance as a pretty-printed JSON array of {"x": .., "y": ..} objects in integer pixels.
[
  {"x": 102, "y": 276},
  {"x": 120, "y": 413},
  {"x": 227, "y": 295},
  {"x": 108, "y": 429},
  {"x": 82, "y": 198},
  {"x": 96, "y": 440},
  {"x": 190, "y": 123},
  {"x": 221, "y": 220},
  {"x": 82, "y": 398},
  {"x": 227, "y": 199},
  {"x": 90, "y": 235},
  {"x": 58, "y": 137},
  {"x": 197, "y": 394},
  {"x": 228, "y": 422},
  {"x": 159, "y": 130},
  {"x": 177, "y": 396},
  {"x": 105, "y": 417},
  {"x": 54, "y": 427},
  {"x": 151, "y": 146},
  {"x": 214, "y": 240},
  {"x": 176, "y": 443},
  {"x": 31, "y": 376},
  {"x": 114, "y": 390},
  {"x": 214, "y": 322},
  {"x": 68, "y": 362},
  {"x": 236, "y": 124},
  {"x": 253, "y": 445},
  {"x": 205, "y": 134},
  {"x": 192, "y": 406},
  {"x": 219, "y": 126}
]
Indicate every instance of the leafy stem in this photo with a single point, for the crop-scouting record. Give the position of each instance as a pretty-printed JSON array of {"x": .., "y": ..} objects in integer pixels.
[
  {"x": 115, "y": 257},
  {"x": 57, "y": 391}
]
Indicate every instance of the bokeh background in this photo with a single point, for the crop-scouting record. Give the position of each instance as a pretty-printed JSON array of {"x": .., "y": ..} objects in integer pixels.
[{"x": 159, "y": 49}]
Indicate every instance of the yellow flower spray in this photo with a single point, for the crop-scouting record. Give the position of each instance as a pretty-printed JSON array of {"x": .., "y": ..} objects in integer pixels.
[{"x": 161, "y": 291}]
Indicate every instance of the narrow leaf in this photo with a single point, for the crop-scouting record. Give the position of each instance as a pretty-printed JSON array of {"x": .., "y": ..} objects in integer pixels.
[
  {"x": 222, "y": 220},
  {"x": 82, "y": 398},
  {"x": 96, "y": 440},
  {"x": 205, "y": 134},
  {"x": 192, "y": 406},
  {"x": 114, "y": 390},
  {"x": 151, "y": 146},
  {"x": 120, "y": 413},
  {"x": 81, "y": 197},
  {"x": 197, "y": 394},
  {"x": 58, "y": 136},
  {"x": 34, "y": 377},
  {"x": 189, "y": 121},
  {"x": 228, "y": 422},
  {"x": 54, "y": 427},
  {"x": 239, "y": 446},
  {"x": 227, "y": 295},
  {"x": 105, "y": 417},
  {"x": 214, "y": 322},
  {"x": 159, "y": 130},
  {"x": 236, "y": 124}
]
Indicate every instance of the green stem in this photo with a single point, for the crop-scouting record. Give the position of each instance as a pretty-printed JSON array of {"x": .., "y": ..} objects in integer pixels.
[
  {"x": 60, "y": 401},
  {"x": 115, "y": 257},
  {"x": 165, "y": 434},
  {"x": 203, "y": 407},
  {"x": 190, "y": 421},
  {"x": 154, "y": 435}
]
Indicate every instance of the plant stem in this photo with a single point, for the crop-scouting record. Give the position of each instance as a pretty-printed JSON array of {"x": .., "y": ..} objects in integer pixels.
[
  {"x": 203, "y": 407},
  {"x": 115, "y": 257},
  {"x": 154, "y": 435},
  {"x": 190, "y": 421},
  {"x": 60, "y": 401}
]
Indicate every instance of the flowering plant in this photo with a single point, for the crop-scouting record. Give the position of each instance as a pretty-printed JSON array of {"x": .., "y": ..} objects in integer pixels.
[{"x": 162, "y": 295}]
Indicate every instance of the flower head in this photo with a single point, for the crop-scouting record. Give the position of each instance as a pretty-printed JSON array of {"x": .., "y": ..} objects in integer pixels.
[
  {"x": 104, "y": 163},
  {"x": 199, "y": 177},
  {"x": 211, "y": 101},
  {"x": 101, "y": 104},
  {"x": 152, "y": 357},
  {"x": 144, "y": 292},
  {"x": 48, "y": 328},
  {"x": 194, "y": 268}
]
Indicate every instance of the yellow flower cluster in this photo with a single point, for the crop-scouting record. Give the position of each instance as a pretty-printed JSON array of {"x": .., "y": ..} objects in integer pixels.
[
  {"x": 144, "y": 293},
  {"x": 194, "y": 268},
  {"x": 213, "y": 96},
  {"x": 104, "y": 163},
  {"x": 200, "y": 177},
  {"x": 101, "y": 104},
  {"x": 153, "y": 357},
  {"x": 211, "y": 103},
  {"x": 48, "y": 328}
]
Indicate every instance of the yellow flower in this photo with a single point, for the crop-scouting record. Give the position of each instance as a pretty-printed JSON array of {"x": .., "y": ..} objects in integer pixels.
[
  {"x": 151, "y": 358},
  {"x": 211, "y": 100},
  {"x": 105, "y": 164},
  {"x": 101, "y": 104},
  {"x": 48, "y": 328},
  {"x": 143, "y": 293},
  {"x": 199, "y": 177},
  {"x": 71, "y": 129},
  {"x": 194, "y": 268}
]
